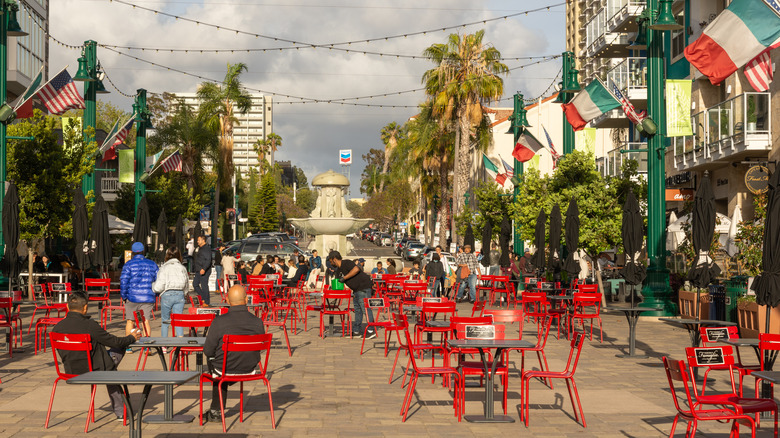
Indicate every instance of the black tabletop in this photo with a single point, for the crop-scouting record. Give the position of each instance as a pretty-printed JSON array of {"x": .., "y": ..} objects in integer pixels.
[
  {"x": 172, "y": 341},
  {"x": 698, "y": 321},
  {"x": 771, "y": 376},
  {"x": 633, "y": 309},
  {"x": 437, "y": 324},
  {"x": 489, "y": 343},
  {"x": 133, "y": 378},
  {"x": 741, "y": 342},
  {"x": 561, "y": 297}
]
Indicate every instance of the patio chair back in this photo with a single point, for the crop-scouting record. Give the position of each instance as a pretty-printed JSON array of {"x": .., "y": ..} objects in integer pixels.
[
  {"x": 767, "y": 342},
  {"x": 193, "y": 322},
  {"x": 506, "y": 316},
  {"x": 711, "y": 335}
]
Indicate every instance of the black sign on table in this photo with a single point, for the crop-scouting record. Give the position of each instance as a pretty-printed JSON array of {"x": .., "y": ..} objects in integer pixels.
[
  {"x": 710, "y": 356},
  {"x": 376, "y": 302},
  {"x": 431, "y": 299},
  {"x": 58, "y": 287},
  {"x": 37, "y": 288},
  {"x": 208, "y": 310},
  {"x": 716, "y": 334},
  {"x": 480, "y": 332},
  {"x": 232, "y": 277}
]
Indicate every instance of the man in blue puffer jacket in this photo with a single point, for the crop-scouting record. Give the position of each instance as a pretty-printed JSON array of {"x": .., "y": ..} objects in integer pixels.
[{"x": 138, "y": 274}]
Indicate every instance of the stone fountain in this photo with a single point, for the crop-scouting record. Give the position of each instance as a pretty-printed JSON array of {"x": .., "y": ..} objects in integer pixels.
[{"x": 330, "y": 220}]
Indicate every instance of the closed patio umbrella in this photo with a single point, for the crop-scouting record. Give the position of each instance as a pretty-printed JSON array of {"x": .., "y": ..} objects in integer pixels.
[
  {"x": 487, "y": 236},
  {"x": 142, "y": 231},
  {"x": 100, "y": 245},
  {"x": 162, "y": 236},
  {"x": 538, "y": 257},
  {"x": 503, "y": 241},
  {"x": 572, "y": 236},
  {"x": 767, "y": 284},
  {"x": 703, "y": 269},
  {"x": 555, "y": 239},
  {"x": 633, "y": 234},
  {"x": 198, "y": 231},
  {"x": 11, "y": 231},
  {"x": 178, "y": 235},
  {"x": 80, "y": 230},
  {"x": 468, "y": 238}
]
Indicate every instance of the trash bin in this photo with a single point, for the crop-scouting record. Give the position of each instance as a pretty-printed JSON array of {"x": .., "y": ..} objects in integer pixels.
[
  {"x": 735, "y": 288},
  {"x": 718, "y": 302}
]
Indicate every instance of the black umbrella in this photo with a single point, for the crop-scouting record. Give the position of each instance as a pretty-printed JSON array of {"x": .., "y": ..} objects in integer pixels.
[
  {"x": 162, "y": 235},
  {"x": 503, "y": 241},
  {"x": 198, "y": 230},
  {"x": 11, "y": 230},
  {"x": 538, "y": 257},
  {"x": 142, "y": 231},
  {"x": 468, "y": 238},
  {"x": 487, "y": 236},
  {"x": 633, "y": 233},
  {"x": 80, "y": 230},
  {"x": 100, "y": 244},
  {"x": 703, "y": 269},
  {"x": 555, "y": 238},
  {"x": 767, "y": 284},
  {"x": 572, "y": 237},
  {"x": 178, "y": 235}
]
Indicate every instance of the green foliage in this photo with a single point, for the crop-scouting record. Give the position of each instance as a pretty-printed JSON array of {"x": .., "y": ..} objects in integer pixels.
[
  {"x": 264, "y": 216},
  {"x": 174, "y": 196},
  {"x": 629, "y": 180},
  {"x": 750, "y": 238},
  {"x": 372, "y": 177},
  {"x": 577, "y": 177},
  {"x": 286, "y": 207},
  {"x": 354, "y": 208},
  {"x": 46, "y": 173},
  {"x": 490, "y": 204},
  {"x": 396, "y": 201},
  {"x": 306, "y": 199}
]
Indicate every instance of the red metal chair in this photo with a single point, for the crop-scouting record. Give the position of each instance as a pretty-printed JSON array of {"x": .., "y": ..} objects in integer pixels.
[
  {"x": 477, "y": 368},
  {"x": 444, "y": 371},
  {"x": 502, "y": 290},
  {"x": 586, "y": 306},
  {"x": 402, "y": 322},
  {"x": 336, "y": 303},
  {"x": 766, "y": 342},
  {"x": 92, "y": 285},
  {"x": 567, "y": 374},
  {"x": 191, "y": 324},
  {"x": 535, "y": 306},
  {"x": 428, "y": 322},
  {"x": 12, "y": 321},
  {"x": 312, "y": 307},
  {"x": 48, "y": 305},
  {"x": 66, "y": 342},
  {"x": 712, "y": 335},
  {"x": 140, "y": 322},
  {"x": 676, "y": 371},
  {"x": 274, "y": 316},
  {"x": 381, "y": 310},
  {"x": 588, "y": 288},
  {"x": 478, "y": 308},
  {"x": 484, "y": 287},
  {"x": 237, "y": 344}
]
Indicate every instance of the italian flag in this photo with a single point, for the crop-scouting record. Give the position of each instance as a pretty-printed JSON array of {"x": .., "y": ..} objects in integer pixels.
[
  {"x": 740, "y": 33},
  {"x": 492, "y": 170},
  {"x": 526, "y": 147},
  {"x": 588, "y": 104}
]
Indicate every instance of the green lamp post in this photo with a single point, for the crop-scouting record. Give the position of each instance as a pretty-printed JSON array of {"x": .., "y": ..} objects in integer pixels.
[
  {"x": 141, "y": 121},
  {"x": 8, "y": 27},
  {"x": 87, "y": 73},
  {"x": 569, "y": 86},
  {"x": 519, "y": 121},
  {"x": 466, "y": 197}
]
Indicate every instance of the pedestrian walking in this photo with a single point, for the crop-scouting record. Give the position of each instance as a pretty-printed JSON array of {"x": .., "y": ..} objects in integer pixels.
[
  {"x": 468, "y": 268},
  {"x": 172, "y": 284},
  {"x": 201, "y": 264},
  {"x": 362, "y": 287},
  {"x": 135, "y": 283}
]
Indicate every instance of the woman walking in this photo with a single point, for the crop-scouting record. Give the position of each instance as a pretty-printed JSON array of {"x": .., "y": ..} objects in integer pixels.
[{"x": 172, "y": 283}]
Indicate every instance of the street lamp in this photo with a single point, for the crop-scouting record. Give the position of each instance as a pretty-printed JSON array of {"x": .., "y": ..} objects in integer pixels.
[
  {"x": 665, "y": 20},
  {"x": 8, "y": 27},
  {"x": 519, "y": 122},
  {"x": 569, "y": 86},
  {"x": 466, "y": 197}
]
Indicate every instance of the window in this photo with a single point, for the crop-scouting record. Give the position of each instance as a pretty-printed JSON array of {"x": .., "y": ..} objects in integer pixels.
[{"x": 678, "y": 36}]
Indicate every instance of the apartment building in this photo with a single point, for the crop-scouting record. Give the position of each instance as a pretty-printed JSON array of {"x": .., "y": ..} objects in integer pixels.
[{"x": 27, "y": 54}]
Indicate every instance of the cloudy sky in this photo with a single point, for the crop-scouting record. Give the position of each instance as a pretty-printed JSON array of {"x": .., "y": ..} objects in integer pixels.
[{"x": 312, "y": 132}]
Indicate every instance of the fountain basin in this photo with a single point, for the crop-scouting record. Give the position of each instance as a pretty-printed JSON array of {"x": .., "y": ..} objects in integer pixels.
[{"x": 329, "y": 225}]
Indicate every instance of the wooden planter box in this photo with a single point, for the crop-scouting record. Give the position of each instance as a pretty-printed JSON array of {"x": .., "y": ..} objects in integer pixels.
[
  {"x": 687, "y": 302},
  {"x": 752, "y": 319}
]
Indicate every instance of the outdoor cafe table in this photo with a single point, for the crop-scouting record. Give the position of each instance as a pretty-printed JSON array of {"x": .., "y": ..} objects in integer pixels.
[
  {"x": 692, "y": 325},
  {"x": 176, "y": 343},
  {"x": 125, "y": 378},
  {"x": 632, "y": 316},
  {"x": 490, "y": 372}
]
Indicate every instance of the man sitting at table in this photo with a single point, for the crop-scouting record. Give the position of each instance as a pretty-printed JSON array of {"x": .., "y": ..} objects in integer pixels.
[
  {"x": 237, "y": 321},
  {"x": 75, "y": 362}
]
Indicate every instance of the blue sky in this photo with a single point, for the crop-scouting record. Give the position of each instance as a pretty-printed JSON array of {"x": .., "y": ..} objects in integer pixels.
[{"x": 312, "y": 133}]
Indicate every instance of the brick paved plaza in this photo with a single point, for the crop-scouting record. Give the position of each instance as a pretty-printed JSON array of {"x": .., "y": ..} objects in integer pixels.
[{"x": 328, "y": 389}]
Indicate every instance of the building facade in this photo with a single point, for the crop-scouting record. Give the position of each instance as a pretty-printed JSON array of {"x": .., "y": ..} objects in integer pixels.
[
  {"x": 252, "y": 127},
  {"x": 27, "y": 54}
]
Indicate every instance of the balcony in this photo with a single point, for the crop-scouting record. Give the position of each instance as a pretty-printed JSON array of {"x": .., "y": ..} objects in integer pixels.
[
  {"x": 109, "y": 188},
  {"x": 611, "y": 164},
  {"x": 622, "y": 13},
  {"x": 735, "y": 129},
  {"x": 630, "y": 76},
  {"x": 602, "y": 43}
]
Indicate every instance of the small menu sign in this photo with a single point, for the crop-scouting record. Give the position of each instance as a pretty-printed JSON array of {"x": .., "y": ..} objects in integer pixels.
[
  {"x": 716, "y": 334},
  {"x": 431, "y": 300},
  {"x": 232, "y": 277},
  {"x": 37, "y": 288},
  {"x": 480, "y": 332},
  {"x": 58, "y": 287},
  {"x": 710, "y": 356},
  {"x": 376, "y": 302},
  {"x": 208, "y": 310}
]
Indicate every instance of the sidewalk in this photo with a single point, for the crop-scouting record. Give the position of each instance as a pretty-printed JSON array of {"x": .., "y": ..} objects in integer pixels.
[{"x": 328, "y": 389}]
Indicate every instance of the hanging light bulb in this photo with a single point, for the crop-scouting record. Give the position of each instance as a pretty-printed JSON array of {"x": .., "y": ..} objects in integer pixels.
[{"x": 83, "y": 73}]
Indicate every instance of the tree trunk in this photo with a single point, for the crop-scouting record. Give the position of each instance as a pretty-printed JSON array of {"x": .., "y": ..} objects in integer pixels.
[
  {"x": 215, "y": 214},
  {"x": 442, "y": 207},
  {"x": 30, "y": 293},
  {"x": 388, "y": 150},
  {"x": 456, "y": 194}
]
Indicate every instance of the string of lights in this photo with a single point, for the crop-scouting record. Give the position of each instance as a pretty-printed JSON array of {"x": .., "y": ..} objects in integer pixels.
[
  {"x": 131, "y": 96},
  {"x": 334, "y": 46}
]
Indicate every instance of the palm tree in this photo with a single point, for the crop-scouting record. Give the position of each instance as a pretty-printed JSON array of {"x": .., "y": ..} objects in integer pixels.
[
  {"x": 218, "y": 104},
  {"x": 270, "y": 145},
  {"x": 389, "y": 135},
  {"x": 465, "y": 78}
]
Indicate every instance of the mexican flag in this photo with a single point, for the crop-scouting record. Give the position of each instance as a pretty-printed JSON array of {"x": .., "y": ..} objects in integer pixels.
[
  {"x": 526, "y": 147},
  {"x": 588, "y": 104},
  {"x": 740, "y": 33},
  {"x": 492, "y": 170}
]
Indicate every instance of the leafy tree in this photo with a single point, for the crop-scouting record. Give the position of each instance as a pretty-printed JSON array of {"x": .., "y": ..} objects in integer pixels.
[
  {"x": 306, "y": 200},
  {"x": 750, "y": 239},
  {"x": 390, "y": 135},
  {"x": 490, "y": 204},
  {"x": 173, "y": 195},
  {"x": 264, "y": 216},
  {"x": 268, "y": 146},
  {"x": 371, "y": 178},
  {"x": 287, "y": 208},
  {"x": 576, "y": 177},
  {"x": 300, "y": 177},
  {"x": 629, "y": 180},
  {"x": 354, "y": 208},
  {"x": 396, "y": 201},
  {"x": 465, "y": 77}
]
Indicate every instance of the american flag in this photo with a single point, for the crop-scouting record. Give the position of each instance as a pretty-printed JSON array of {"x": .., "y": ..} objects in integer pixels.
[
  {"x": 121, "y": 136},
  {"x": 508, "y": 169},
  {"x": 553, "y": 152},
  {"x": 60, "y": 94},
  {"x": 173, "y": 162},
  {"x": 628, "y": 108},
  {"x": 759, "y": 70}
]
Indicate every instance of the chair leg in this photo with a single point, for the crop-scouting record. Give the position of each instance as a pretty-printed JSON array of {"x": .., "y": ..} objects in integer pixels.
[
  {"x": 201, "y": 400},
  {"x": 270, "y": 403},
  {"x": 51, "y": 402},
  {"x": 221, "y": 407},
  {"x": 573, "y": 388},
  {"x": 287, "y": 339},
  {"x": 363, "y": 344},
  {"x": 412, "y": 385},
  {"x": 91, "y": 410},
  {"x": 241, "y": 402},
  {"x": 395, "y": 362}
]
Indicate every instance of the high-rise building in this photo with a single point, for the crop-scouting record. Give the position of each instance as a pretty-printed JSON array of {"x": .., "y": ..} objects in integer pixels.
[
  {"x": 255, "y": 125},
  {"x": 27, "y": 54}
]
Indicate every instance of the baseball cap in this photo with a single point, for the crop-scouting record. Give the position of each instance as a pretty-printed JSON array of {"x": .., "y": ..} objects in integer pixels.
[
  {"x": 138, "y": 247},
  {"x": 361, "y": 260}
]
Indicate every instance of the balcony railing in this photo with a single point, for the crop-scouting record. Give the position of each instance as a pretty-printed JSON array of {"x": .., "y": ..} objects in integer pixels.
[
  {"x": 597, "y": 36},
  {"x": 109, "y": 185},
  {"x": 612, "y": 163},
  {"x": 630, "y": 76},
  {"x": 742, "y": 123},
  {"x": 620, "y": 12}
]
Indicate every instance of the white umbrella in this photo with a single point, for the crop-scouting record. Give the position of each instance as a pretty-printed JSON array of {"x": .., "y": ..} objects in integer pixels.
[
  {"x": 672, "y": 237},
  {"x": 731, "y": 242},
  {"x": 118, "y": 226},
  {"x": 676, "y": 236}
]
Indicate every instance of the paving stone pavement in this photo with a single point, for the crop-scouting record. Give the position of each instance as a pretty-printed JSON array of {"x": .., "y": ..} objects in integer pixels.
[{"x": 328, "y": 389}]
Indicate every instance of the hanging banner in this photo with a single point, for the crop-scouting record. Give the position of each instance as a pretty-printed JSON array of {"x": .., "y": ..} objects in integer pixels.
[
  {"x": 127, "y": 166},
  {"x": 678, "y": 107},
  {"x": 585, "y": 140},
  {"x": 533, "y": 163}
]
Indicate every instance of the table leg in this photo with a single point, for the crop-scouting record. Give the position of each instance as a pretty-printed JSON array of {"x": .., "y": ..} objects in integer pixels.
[
  {"x": 162, "y": 357},
  {"x": 488, "y": 410},
  {"x": 168, "y": 416}
]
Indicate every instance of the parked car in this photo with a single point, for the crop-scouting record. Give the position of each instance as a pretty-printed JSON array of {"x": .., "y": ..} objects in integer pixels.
[
  {"x": 405, "y": 245},
  {"x": 400, "y": 246},
  {"x": 251, "y": 248},
  {"x": 413, "y": 250},
  {"x": 386, "y": 240}
]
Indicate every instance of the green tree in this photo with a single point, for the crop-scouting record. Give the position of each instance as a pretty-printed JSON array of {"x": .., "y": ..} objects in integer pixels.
[
  {"x": 218, "y": 104},
  {"x": 465, "y": 77},
  {"x": 269, "y": 146},
  {"x": 490, "y": 204},
  {"x": 354, "y": 208},
  {"x": 264, "y": 216},
  {"x": 576, "y": 177},
  {"x": 390, "y": 135},
  {"x": 371, "y": 178},
  {"x": 173, "y": 195},
  {"x": 750, "y": 239},
  {"x": 300, "y": 177}
]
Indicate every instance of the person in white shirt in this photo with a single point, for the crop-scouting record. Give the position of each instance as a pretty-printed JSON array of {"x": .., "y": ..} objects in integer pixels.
[{"x": 292, "y": 269}]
